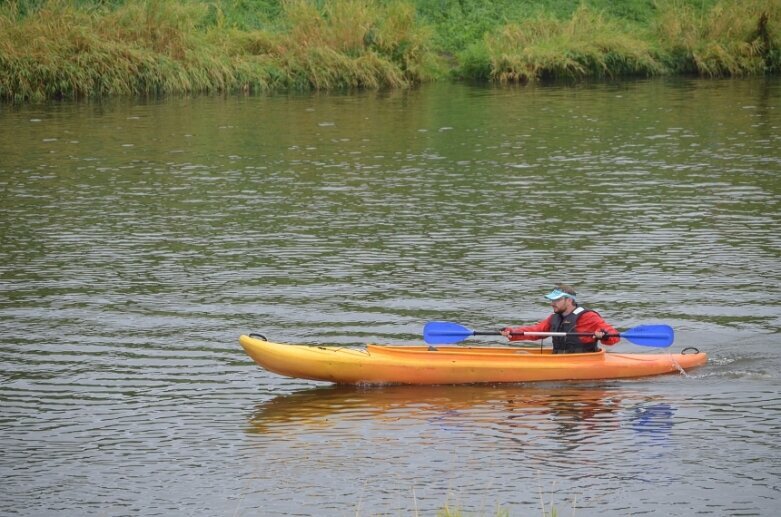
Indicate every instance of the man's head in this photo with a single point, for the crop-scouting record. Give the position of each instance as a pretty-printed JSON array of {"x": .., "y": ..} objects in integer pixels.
[{"x": 562, "y": 299}]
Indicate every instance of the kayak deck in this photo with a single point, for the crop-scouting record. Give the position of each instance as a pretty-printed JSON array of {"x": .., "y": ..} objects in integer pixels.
[{"x": 376, "y": 364}]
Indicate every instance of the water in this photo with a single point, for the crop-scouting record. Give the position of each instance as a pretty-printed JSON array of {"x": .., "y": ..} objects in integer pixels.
[{"x": 140, "y": 238}]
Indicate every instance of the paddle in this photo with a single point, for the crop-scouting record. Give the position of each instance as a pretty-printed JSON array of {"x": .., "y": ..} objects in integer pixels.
[{"x": 445, "y": 332}]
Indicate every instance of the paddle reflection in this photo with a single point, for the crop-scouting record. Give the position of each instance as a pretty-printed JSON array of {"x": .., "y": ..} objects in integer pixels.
[{"x": 654, "y": 421}]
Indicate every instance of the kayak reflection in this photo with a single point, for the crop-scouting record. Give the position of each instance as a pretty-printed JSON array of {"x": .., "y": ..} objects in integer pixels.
[{"x": 570, "y": 410}]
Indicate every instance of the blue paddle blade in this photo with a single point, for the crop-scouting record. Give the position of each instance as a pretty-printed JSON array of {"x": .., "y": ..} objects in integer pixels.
[
  {"x": 660, "y": 336},
  {"x": 444, "y": 332}
]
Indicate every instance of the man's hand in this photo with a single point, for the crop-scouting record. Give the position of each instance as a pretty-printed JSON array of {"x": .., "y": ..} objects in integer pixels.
[{"x": 508, "y": 332}]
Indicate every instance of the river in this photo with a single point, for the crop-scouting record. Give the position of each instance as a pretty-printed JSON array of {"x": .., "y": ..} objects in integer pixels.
[{"x": 140, "y": 237}]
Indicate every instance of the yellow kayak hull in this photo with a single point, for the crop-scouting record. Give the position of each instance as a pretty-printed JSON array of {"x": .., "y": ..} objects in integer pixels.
[{"x": 376, "y": 364}]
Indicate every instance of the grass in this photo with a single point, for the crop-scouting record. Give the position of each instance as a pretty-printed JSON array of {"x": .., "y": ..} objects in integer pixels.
[
  {"x": 447, "y": 511},
  {"x": 586, "y": 45},
  {"x": 731, "y": 39},
  {"x": 95, "y": 48},
  {"x": 153, "y": 47}
]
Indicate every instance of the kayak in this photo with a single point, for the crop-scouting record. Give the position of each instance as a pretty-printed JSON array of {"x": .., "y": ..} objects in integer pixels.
[{"x": 386, "y": 364}]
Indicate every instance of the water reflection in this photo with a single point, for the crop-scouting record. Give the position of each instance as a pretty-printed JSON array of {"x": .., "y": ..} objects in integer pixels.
[
  {"x": 571, "y": 412},
  {"x": 654, "y": 420},
  {"x": 542, "y": 437}
]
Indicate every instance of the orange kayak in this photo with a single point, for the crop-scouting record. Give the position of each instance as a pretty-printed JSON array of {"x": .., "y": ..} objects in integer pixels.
[{"x": 376, "y": 364}]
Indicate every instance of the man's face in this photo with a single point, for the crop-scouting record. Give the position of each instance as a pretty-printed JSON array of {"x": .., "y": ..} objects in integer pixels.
[{"x": 560, "y": 305}]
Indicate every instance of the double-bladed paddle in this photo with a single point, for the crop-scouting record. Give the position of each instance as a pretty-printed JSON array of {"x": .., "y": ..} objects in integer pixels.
[{"x": 445, "y": 332}]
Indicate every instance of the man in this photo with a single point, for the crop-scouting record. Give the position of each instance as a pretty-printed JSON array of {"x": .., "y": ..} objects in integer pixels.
[{"x": 568, "y": 316}]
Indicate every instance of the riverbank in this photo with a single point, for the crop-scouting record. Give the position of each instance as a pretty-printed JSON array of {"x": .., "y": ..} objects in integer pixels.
[{"x": 56, "y": 49}]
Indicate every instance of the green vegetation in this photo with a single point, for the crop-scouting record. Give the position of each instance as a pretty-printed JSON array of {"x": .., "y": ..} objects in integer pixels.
[
  {"x": 90, "y": 48},
  {"x": 155, "y": 47},
  {"x": 447, "y": 511}
]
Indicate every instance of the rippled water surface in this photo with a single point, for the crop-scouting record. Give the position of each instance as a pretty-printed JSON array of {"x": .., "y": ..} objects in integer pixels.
[{"x": 138, "y": 239}]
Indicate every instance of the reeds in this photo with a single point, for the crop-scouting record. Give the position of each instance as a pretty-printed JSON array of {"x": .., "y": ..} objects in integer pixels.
[
  {"x": 149, "y": 48},
  {"x": 586, "y": 45},
  {"x": 155, "y": 47},
  {"x": 731, "y": 39},
  {"x": 352, "y": 44},
  {"x": 55, "y": 48}
]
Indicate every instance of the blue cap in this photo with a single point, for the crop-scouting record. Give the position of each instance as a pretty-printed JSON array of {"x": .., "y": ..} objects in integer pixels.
[{"x": 558, "y": 293}]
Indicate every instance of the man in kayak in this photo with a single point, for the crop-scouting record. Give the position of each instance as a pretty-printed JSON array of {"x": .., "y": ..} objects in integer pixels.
[{"x": 568, "y": 316}]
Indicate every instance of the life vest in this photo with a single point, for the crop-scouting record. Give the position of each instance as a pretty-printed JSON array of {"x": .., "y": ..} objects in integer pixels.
[{"x": 570, "y": 344}]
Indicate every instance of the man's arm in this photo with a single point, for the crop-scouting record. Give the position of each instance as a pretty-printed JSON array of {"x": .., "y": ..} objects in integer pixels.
[
  {"x": 593, "y": 322},
  {"x": 516, "y": 333}
]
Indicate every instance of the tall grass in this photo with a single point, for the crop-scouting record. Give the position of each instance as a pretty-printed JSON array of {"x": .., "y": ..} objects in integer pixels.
[
  {"x": 731, "y": 39},
  {"x": 156, "y": 46},
  {"x": 460, "y": 23},
  {"x": 351, "y": 43},
  {"x": 586, "y": 45},
  {"x": 88, "y": 48}
]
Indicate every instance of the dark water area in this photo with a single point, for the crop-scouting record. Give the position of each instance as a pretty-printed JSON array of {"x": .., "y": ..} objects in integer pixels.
[{"x": 140, "y": 238}]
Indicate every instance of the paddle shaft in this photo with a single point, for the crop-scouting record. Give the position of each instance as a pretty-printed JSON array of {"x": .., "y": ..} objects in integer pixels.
[
  {"x": 545, "y": 334},
  {"x": 542, "y": 334}
]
